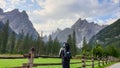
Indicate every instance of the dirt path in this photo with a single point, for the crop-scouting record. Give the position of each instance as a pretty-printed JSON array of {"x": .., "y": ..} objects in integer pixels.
[{"x": 117, "y": 65}]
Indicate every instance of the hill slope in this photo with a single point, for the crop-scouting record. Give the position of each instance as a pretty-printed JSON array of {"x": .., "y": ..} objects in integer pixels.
[{"x": 109, "y": 35}]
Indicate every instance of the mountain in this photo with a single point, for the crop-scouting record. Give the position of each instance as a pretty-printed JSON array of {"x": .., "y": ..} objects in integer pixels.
[
  {"x": 18, "y": 21},
  {"x": 83, "y": 28},
  {"x": 110, "y": 35},
  {"x": 2, "y": 26}
]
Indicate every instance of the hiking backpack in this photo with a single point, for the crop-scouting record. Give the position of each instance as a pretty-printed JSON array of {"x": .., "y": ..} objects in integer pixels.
[{"x": 67, "y": 55}]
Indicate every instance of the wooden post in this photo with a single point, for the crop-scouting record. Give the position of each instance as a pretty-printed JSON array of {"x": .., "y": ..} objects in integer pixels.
[
  {"x": 92, "y": 61},
  {"x": 31, "y": 58},
  {"x": 106, "y": 60},
  {"x": 83, "y": 62},
  {"x": 109, "y": 59},
  {"x": 103, "y": 61},
  {"x": 98, "y": 61}
]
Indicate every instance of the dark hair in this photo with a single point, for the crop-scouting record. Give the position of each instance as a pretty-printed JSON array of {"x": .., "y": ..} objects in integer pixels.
[{"x": 67, "y": 47}]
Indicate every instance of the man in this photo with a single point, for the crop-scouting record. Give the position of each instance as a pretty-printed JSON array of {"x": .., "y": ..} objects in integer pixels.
[{"x": 65, "y": 54}]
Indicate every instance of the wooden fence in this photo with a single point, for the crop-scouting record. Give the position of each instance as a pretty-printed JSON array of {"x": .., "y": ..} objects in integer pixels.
[{"x": 101, "y": 61}]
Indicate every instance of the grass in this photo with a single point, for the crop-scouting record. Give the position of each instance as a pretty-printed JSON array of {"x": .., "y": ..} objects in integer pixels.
[
  {"x": 6, "y": 63},
  {"x": 19, "y": 62},
  {"x": 11, "y": 62}
]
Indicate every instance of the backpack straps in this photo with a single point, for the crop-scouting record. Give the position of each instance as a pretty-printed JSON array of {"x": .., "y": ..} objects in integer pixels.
[{"x": 61, "y": 52}]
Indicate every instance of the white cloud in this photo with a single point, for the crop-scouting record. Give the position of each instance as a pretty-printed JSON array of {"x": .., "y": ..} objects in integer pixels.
[
  {"x": 55, "y": 14},
  {"x": 33, "y": 1},
  {"x": 14, "y": 2},
  {"x": 2, "y": 3},
  {"x": 116, "y": 1},
  {"x": 52, "y": 25},
  {"x": 110, "y": 21},
  {"x": 9, "y": 8}
]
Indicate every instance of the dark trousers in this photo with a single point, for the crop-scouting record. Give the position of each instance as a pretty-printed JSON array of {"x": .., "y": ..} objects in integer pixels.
[{"x": 66, "y": 64}]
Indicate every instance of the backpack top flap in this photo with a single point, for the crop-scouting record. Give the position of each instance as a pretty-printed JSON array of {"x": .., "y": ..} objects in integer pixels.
[{"x": 67, "y": 55}]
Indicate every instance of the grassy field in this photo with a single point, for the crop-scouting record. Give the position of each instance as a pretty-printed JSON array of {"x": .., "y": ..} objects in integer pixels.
[{"x": 6, "y": 63}]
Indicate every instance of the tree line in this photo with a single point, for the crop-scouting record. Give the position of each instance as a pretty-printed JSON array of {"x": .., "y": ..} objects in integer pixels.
[
  {"x": 99, "y": 50},
  {"x": 11, "y": 43}
]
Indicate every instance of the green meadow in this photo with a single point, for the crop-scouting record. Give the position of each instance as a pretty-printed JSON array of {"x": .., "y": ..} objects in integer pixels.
[{"x": 6, "y": 63}]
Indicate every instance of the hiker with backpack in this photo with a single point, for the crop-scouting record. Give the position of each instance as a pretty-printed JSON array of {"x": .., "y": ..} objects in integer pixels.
[{"x": 65, "y": 54}]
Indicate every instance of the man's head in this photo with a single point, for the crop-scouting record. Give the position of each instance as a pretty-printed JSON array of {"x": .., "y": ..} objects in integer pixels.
[{"x": 66, "y": 46}]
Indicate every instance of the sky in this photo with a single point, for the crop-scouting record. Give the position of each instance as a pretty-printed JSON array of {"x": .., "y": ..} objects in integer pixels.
[{"x": 48, "y": 15}]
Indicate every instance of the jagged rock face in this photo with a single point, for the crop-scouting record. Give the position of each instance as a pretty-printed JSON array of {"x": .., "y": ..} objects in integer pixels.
[
  {"x": 82, "y": 28},
  {"x": 62, "y": 36},
  {"x": 19, "y": 21}
]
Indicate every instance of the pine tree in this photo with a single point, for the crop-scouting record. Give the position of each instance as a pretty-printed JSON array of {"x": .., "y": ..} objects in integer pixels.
[
  {"x": 56, "y": 46},
  {"x": 85, "y": 47},
  {"x": 39, "y": 46},
  {"x": 0, "y": 40},
  {"x": 98, "y": 51},
  {"x": 70, "y": 42},
  {"x": 1, "y": 37},
  {"x": 74, "y": 43},
  {"x": 11, "y": 43},
  {"x": 19, "y": 43},
  {"x": 49, "y": 46},
  {"x": 25, "y": 45},
  {"x": 5, "y": 36}
]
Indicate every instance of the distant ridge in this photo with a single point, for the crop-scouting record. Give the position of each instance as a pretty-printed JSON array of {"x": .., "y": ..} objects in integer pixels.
[{"x": 83, "y": 28}]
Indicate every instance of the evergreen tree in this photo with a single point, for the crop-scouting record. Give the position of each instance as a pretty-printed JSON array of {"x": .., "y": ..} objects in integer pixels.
[
  {"x": 5, "y": 37},
  {"x": 49, "y": 46},
  {"x": 0, "y": 40},
  {"x": 112, "y": 51},
  {"x": 39, "y": 46},
  {"x": 85, "y": 45},
  {"x": 56, "y": 46},
  {"x": 98, "y": 51},
  {"x": 70, "y": 42},
  {"x": 19, "y": 43},
  {"x": 26, "y": 45},
  {"x": 74, "y": 43},
  {"x": 11, "y": 43},
  {"x": 1, "y": 37}
]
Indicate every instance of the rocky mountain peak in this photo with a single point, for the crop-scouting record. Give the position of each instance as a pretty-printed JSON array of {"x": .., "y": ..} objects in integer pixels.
[
  {"x": 80, "y": 23},
  {"x": 82, "y": 28},
  {"x": 19, "y": 21},
  {"x": 24, "y": 13},
  {"x": 15, "y": 11},
  {"x": 58, "y": 30}
]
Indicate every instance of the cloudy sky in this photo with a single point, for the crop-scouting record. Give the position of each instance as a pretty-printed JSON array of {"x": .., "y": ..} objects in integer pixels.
[{"x": 48, "y": 15}]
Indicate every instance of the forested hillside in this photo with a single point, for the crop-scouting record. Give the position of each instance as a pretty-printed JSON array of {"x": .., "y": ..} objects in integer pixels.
[
  {"x": 107, "y": 41},
  {"x": 12, "y": 43},
  {"x": 109, "y": 35}
]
